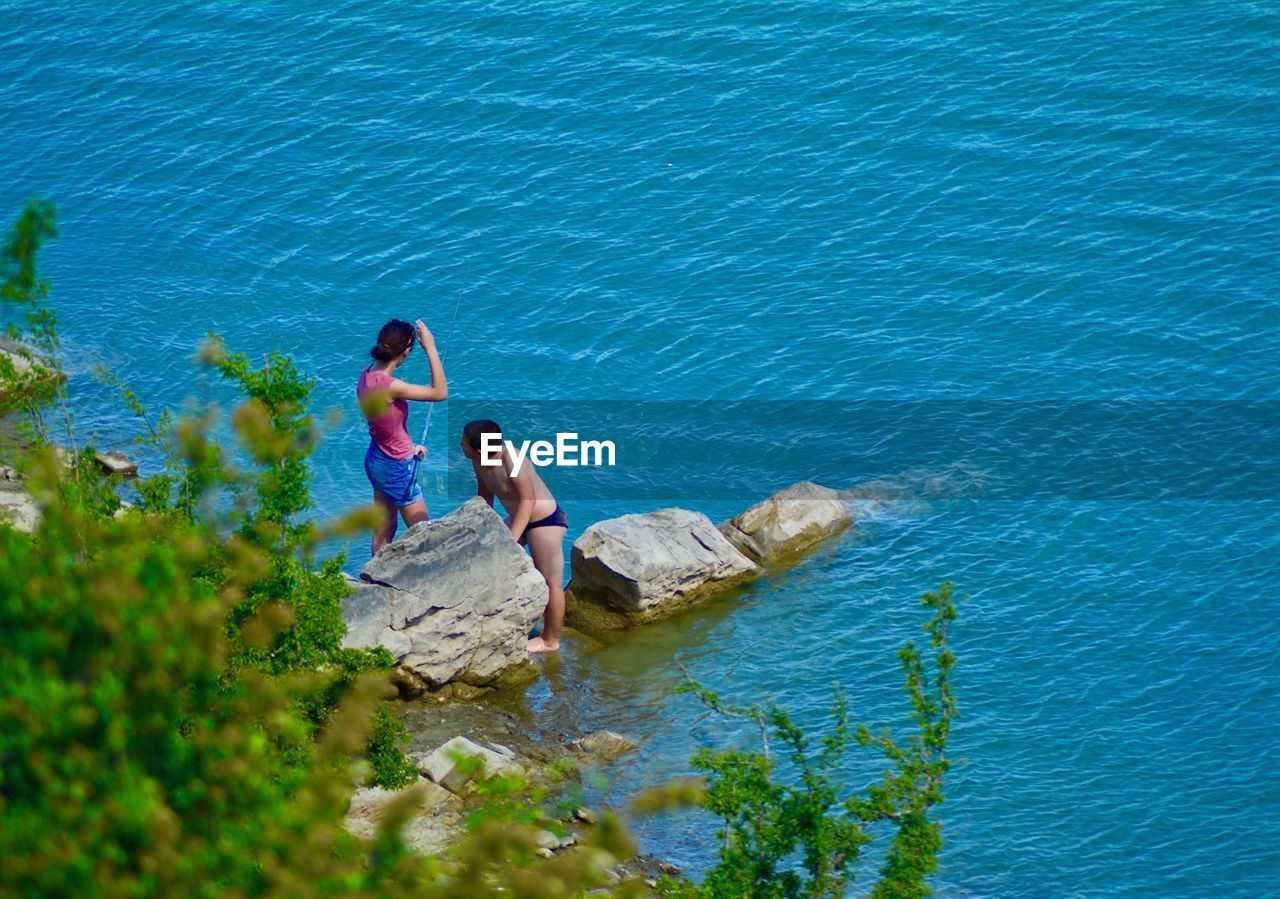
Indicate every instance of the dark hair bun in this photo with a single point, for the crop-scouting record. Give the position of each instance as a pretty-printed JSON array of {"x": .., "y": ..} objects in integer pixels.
[{"x": 393, "y": 339}]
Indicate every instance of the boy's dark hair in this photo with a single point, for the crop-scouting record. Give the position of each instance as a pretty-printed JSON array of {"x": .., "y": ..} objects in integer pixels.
[
  {"x": 393, "y": 339},
  {"x": 473, "y": 432}
]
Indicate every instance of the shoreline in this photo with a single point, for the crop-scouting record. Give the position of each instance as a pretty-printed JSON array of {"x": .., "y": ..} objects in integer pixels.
[{"x": 569, "y": 765}]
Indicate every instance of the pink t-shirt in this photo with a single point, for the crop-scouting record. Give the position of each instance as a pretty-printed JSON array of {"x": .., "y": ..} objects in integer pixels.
[{"x": 388, "y": 429}]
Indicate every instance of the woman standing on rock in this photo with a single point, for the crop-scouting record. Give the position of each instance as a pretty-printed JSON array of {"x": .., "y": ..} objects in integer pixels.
[{"x": 391, "y": 460}]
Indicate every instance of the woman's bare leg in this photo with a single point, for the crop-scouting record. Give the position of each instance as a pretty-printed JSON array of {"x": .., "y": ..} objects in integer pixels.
[
  {"x": 414, "y": 513},
  {"x": 383, "y": 534}
]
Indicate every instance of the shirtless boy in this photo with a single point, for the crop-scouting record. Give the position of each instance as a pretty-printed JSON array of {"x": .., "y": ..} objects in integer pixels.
[{"x": 534, "y": 517}]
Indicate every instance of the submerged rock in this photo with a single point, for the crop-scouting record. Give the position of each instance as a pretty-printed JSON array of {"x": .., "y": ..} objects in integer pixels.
[
  {"x": 788, "y": 523},
  {"x": 640, "y": 568},
  {"x": 453, "y": 600},
  {"x": 605, "y": 745}
]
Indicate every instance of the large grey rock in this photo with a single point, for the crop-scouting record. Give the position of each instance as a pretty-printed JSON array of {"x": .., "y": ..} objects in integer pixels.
[
  {"x": 636, "y": 569},
  {"x": 788, "y": 523},
  {"x": 17, "y": 508},
  {"x": 453, "y": 600}
]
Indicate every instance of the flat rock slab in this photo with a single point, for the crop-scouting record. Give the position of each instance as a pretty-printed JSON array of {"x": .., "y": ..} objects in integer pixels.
[
  {"x": 453, "y": 600},
  {"x": 117, "y": 464},
  {"x": 789, "y": 523},
  {"x": 636, "y": 569}
]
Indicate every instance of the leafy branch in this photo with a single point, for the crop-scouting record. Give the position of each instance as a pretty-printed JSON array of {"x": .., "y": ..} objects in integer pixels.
[{"x": 797, "y": 836}]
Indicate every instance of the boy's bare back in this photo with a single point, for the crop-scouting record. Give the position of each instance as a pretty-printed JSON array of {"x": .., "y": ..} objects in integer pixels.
[
  {"x": 498, "y": 481},
  {"x": 534, "y": 518}
]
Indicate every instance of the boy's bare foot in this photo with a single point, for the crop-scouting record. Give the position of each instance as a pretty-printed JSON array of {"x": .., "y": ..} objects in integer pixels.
[{"x": 537, "y": 644}]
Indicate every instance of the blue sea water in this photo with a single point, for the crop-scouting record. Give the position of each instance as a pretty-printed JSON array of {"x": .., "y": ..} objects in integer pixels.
[{"x": 1057, "y": 203}]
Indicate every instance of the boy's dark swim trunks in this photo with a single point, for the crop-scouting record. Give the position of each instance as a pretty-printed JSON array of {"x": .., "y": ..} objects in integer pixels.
[{"x": 556, "y": 519}]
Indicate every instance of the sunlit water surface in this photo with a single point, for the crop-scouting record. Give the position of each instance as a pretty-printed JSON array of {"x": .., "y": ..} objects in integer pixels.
[{"x": 798, "y": 202}]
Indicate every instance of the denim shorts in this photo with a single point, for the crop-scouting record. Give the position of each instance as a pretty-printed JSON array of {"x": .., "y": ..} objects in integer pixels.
[{"x": 395, "y": 478}]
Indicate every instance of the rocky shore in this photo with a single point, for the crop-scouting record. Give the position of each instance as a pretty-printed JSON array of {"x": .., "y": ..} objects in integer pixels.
[
  {"x": 454, "y": 600},
  {"x": 446, "y": 735},
  {"x": 445, "y": 794}
]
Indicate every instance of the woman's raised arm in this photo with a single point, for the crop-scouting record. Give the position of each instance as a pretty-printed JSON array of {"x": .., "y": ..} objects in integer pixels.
[{"x": 439, "y": 387}]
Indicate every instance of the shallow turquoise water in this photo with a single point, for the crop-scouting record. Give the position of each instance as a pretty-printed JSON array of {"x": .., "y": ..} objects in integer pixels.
[{"x": 790, "y": 203}]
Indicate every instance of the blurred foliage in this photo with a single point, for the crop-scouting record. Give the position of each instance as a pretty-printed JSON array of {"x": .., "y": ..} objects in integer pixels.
[
  {"x": 128, "y": 762},
  {"x": 178, "y": 716}
]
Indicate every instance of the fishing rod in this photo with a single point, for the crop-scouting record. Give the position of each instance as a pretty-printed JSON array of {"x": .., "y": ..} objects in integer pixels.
[{"x": 426, "y": 428}]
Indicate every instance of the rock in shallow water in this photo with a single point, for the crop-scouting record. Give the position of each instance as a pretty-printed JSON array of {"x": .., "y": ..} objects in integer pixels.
[
  {"x": 637, "y": 569},
  {"x": 789, "y": 523},
  {"x": 605, "y": 745},
  {"x": 117, "y": 464},
  {"x": 442, "y": 766},
  {"x": 453, "y": 600}
]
